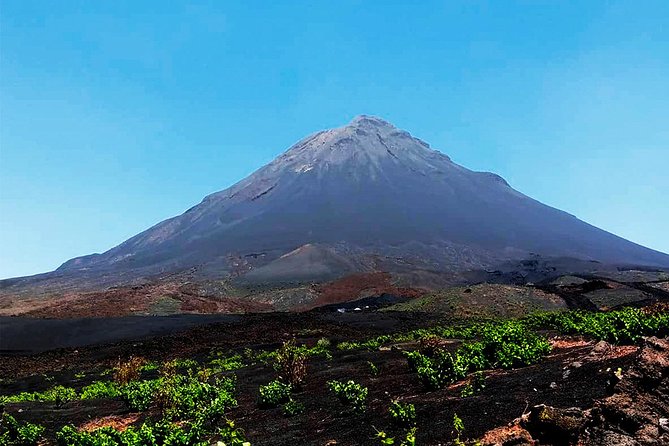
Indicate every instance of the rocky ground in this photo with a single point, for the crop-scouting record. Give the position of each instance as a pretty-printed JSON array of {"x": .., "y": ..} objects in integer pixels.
[{"x": 584, "y": 392}]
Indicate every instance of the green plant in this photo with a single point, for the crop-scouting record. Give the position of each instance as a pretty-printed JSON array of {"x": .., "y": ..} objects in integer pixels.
[
  {"x": 350, "y": 393},
  {"x": 467, "y": 390},
  {"x": 138, "y": 395},
  {"x": 274, "y": 393},
  {"x": 60, "y": 395},
  {"x": 322, "y": 348},
  {"x": 184, "y": 396},
  {"x": 291, "y": 363},
  {"x": 475, "y": 385},
  {"x": 384, "y": 438},
  {"x": 373, "y": 368},
  {"x": 163, "y": 433},
  {"x": 223, "y": 364},
  {"x": 100, "y": 389},
  {"x": 508, "y": 344},
  {"x": 260, "y": 356},
  {"x": 348, "y": 345},
  {"x": 57, "y": 394},
  {"x": 13, "y": 432},
  {"x": 231, "y": 435},
  {"x": 458, "y": 428},
  {"x": 150, "y": 367},
  {"x": 292, "y": 408},
  {"x": 409, "y": 439},
  {"x": 403, "y": 414},
  {"x": 478, "y": 381},
  {"x": 625, "y": 326}
]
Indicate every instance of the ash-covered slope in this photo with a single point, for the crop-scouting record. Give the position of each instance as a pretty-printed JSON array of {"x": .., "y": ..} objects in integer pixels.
[{"x": 368, "y": 191}]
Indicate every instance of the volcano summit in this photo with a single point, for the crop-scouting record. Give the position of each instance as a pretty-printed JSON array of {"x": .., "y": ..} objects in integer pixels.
[{"x": 359, "y": 198}]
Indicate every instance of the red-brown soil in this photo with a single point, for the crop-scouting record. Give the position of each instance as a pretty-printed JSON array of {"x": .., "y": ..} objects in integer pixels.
[
  {"x": 123, "y": 301},
  {"x": 358, "y": 286}
]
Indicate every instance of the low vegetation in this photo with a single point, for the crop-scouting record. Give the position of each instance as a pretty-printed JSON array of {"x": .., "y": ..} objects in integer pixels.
[
  {"x": 350, "y": 393},
  {"x": 402, "y": 414},
  {"x": 20, "y": 434},
  {"x": 274, "y": 393},
  {"x": 188, "y": 402},
  {"x": 506, "y": 345}
]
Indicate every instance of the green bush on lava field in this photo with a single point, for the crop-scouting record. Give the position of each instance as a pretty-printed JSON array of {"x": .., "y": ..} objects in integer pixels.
[
  {"x": 20, "y": 434},
  {"x": 274, "y": 393},
  {"x": 350, "y": 393},
  {"x": 626, "y": 326},
  {"x": 506, "y": 345}
]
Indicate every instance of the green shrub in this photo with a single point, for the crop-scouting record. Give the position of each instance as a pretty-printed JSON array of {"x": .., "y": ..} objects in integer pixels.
[
  {"x": 231, "y": 435},
  {"x": 57, "y": 394},
  {"x": 458, "y": 429},
  {"x": 183, "y": 397},
  {"x": 348, "y": 345},
  {"x": 13, "y": 432},
  {"x": 626, "y": 326},
  {"x": 402, "y": 414},
  {"x": 322, "y": 348},
  {"x": 224, "y": 364},
  {"x": 100, "y": 389},
  {"x": 509, "y": 344},
  {"x": 292, "y": 408},
  {"x": 350, "y": 393},
  {"x": 138, "y": 395},
  {"x": 291, "y": 362},
  {"x": 467, "y": 391},
  {"x": 409, "y": 439},
  {"x": 163, "y": 433},
  {"x": 274, "y": 393},
  {"x": 260, "y": 356}
]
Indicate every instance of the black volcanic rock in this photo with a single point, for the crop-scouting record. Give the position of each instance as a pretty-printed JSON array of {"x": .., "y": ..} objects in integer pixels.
[{"x": 369, "y": 196}]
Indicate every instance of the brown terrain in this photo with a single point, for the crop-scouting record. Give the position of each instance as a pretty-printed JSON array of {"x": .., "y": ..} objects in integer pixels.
[{"x": 583, "y": 392}]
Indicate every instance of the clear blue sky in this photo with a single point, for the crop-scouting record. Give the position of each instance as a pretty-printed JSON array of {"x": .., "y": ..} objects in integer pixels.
[{"x": 118, "y": 114}]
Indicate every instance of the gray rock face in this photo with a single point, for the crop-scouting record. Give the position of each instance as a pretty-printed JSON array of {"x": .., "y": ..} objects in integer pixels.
[{"x": 366, "y": 189}]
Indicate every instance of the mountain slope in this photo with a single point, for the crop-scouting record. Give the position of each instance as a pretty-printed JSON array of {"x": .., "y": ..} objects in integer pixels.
[{"x": 368, "y": 192}]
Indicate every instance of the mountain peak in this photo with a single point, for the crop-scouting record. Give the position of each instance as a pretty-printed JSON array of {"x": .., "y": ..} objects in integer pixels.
[
  {"x": 370, "y": 121},
  {"x": 367, "y": 141},
  {"x": 371, "y": 191}
]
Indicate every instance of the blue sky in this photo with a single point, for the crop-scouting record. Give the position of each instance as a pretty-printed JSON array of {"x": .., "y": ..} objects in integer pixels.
[{"x": 115, "y": 115}]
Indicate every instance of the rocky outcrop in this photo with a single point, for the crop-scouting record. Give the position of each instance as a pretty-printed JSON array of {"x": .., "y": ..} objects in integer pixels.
[{"x": 635, "y": 414}]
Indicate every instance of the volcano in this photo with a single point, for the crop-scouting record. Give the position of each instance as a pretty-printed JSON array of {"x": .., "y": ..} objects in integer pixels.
[{"x": 363, "y": 197}]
